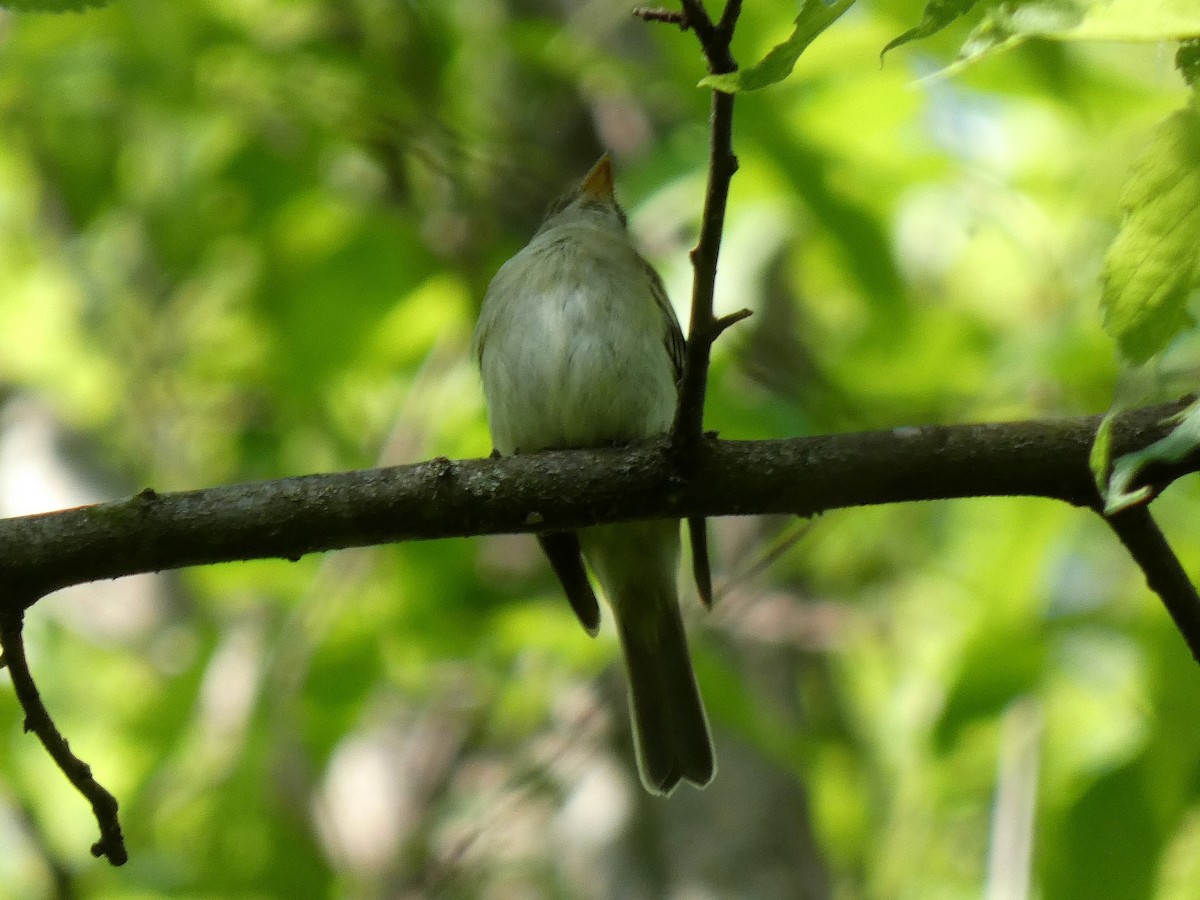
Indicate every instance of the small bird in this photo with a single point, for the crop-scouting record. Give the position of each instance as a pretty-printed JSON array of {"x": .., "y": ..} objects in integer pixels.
[{"x": 578, "y": 346}]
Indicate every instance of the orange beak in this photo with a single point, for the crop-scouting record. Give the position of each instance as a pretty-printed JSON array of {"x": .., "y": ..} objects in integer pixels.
[{"x": 598, "y": 182}]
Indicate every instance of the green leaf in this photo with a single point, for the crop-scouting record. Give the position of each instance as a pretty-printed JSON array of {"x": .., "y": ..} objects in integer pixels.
[
  {"x": 1101, "y": 456},
  {"x": 1009, "y": 24},
  {"x": 1153, "y": 265},
  {"x": 815, "y": 16},
  {"x": 938, "y": 14},
  {"x": 52, "y": 6},
  {"x": 1174, "y": 448},
  {"x": 1104, "y": 20}
]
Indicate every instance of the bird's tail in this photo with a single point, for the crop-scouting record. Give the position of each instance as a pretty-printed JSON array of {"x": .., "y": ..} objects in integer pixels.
[
  {"x": 637, "y": 564},
  {"x": 670, "y": 728}
]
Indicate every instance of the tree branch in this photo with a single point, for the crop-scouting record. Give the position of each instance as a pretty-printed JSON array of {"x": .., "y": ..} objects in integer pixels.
[
  {"x": 703, "y": 329},
  {"x": 38, "y": 720},
  {"x": 559, "y": 491},
  {"x": 659, "y": 14},
  {"x": 1164, "y": 573}
]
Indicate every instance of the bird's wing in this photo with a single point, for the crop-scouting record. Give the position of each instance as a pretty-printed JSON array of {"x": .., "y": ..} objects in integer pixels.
[{"x": 673, "y": 334}]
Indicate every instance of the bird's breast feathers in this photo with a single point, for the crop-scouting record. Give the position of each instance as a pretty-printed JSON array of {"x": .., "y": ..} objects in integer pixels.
[{"x": 570, "y": 355}]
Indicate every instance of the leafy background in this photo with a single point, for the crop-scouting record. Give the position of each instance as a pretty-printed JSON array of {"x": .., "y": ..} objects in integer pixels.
[{"x": 245, "y": 239}]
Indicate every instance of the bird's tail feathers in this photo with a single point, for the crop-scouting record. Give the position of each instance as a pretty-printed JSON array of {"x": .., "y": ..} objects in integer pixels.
[{"x": 670, "y": 729}]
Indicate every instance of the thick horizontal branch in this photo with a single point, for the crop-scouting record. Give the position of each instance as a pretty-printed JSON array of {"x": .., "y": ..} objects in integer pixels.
[{"x": 555, "y": 491}]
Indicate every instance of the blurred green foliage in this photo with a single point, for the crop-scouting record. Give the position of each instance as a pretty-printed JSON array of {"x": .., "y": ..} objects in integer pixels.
[
  {"x": 247, "y": 239},
  {"x": 1151, "y": 269}
]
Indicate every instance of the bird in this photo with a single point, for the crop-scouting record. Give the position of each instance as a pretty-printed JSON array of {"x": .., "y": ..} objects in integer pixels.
[{"x": 578, "y": 346}]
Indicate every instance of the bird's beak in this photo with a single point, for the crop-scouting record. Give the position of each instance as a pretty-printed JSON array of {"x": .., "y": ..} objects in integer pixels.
[{"x": 598, "y": 183}]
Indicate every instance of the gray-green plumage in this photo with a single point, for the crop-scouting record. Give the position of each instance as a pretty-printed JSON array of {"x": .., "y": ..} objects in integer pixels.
[{"x": 579, "y": 347}]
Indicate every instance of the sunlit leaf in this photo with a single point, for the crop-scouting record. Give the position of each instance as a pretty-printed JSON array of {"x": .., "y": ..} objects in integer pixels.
[
  {"x": 938, "y": 14},
  {"x": 1153, "y": 264},
  {"x": 1009, "y": 24},
  {"x": 1100, "y": 459},
  {"x": 1103, "y": 20},
  {"x": 815, "y": 16}
]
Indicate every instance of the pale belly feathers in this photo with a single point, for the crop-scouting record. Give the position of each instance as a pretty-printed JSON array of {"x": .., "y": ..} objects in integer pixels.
[{"x": 574, "y": 365}]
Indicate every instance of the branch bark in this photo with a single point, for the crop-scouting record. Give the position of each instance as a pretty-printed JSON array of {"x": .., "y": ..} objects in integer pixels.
[
  {"x": 1164, "y": 574},
  {"x": 558, "y": 491}
]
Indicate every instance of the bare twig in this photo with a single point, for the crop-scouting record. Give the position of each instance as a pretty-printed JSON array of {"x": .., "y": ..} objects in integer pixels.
[
  {"x": 720, "y": 325},
  {"x": 1140, "y": 534},
  {"x": 696, "y": 17},
  {"x": 729, "y": 17},
  {"x": 715, "y": 40},
  {"x": 688, "y": 428},
  {"x": 38, "y": 720},
  {"x": 658, "y": 14}
]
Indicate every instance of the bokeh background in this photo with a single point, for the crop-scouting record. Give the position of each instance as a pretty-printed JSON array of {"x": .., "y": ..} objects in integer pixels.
[{"x": 246, "y": 239}]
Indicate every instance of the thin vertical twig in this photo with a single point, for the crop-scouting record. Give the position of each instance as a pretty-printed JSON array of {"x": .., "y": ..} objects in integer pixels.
[{"x": 704, "y": 328}]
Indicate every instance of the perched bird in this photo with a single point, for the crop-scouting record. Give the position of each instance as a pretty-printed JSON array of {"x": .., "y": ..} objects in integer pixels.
[{"x": 578, "y": 347}]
